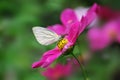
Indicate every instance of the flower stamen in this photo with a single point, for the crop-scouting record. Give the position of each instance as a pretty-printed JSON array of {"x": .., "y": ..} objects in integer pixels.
[{"x": 62, "y": 43}]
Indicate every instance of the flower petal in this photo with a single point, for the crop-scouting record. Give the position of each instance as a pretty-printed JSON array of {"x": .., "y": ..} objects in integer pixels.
[
  {"x": 98, "y": 39},
  {"x": 73, "y": 33},
  {"x": 58, "y": 71},
  {"x": 68, "y": 16},
  {"x": 90, "y": 16},
  {"x": 80, "y": 12},
  {"x": 47, "y": 58},
  {"x": 59, "y": 29}
]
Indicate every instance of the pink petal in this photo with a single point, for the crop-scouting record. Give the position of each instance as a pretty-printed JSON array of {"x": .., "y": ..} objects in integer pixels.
[
  {"x": 73, "y": 33},
  {"x": 57, "y": 28},
  {"x": 90, "y": 16},
  {"x": 68, "y": 16},
  {"x": 98, "y": 39},
  {"x": 49, "y": 72},
  {"x": 112, "y": 29},
  {"x": 58, "y": 71},
  {"x": 80, "y": 12},
  {"x": 47, "y": 58}
]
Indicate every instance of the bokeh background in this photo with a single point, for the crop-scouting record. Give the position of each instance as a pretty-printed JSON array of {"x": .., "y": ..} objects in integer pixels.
[{"x": 19, "y": 49}]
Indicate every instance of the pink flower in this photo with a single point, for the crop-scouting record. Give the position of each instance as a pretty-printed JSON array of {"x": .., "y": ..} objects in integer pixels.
[
  {"x": 57, "y": 72},
  {"x": 112, "y": 30},
  {"x": 69, "y": 16},
  {"x": 64, "y": 44},
  {"x": 100, "y": 38},
  {"x": 73, "y": 28},
  {"x": 97, "y": 39}
]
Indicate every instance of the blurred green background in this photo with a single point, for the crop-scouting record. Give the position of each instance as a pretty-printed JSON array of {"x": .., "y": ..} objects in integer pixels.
[{"x": 19, "y": 49}]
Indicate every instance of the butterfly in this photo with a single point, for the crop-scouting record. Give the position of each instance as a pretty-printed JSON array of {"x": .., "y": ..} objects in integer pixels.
[{"x": 45, "y": 36}]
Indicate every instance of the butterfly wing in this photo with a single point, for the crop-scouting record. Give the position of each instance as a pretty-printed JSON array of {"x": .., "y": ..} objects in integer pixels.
[{"x": 45, "y": 36}]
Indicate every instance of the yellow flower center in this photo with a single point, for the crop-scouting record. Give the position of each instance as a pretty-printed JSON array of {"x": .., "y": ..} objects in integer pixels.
[{"x": 62, "y": 43}]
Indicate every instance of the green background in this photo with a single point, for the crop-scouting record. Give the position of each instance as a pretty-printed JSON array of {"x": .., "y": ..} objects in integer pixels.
[{"x": 19, "y": 49}]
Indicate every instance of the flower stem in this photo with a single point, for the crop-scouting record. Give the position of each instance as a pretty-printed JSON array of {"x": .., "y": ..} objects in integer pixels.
[{"x": 82, "y": 67}]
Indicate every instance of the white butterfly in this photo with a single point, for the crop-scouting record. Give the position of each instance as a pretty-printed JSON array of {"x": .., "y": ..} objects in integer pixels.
[{"x": 45, "y": 36}]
